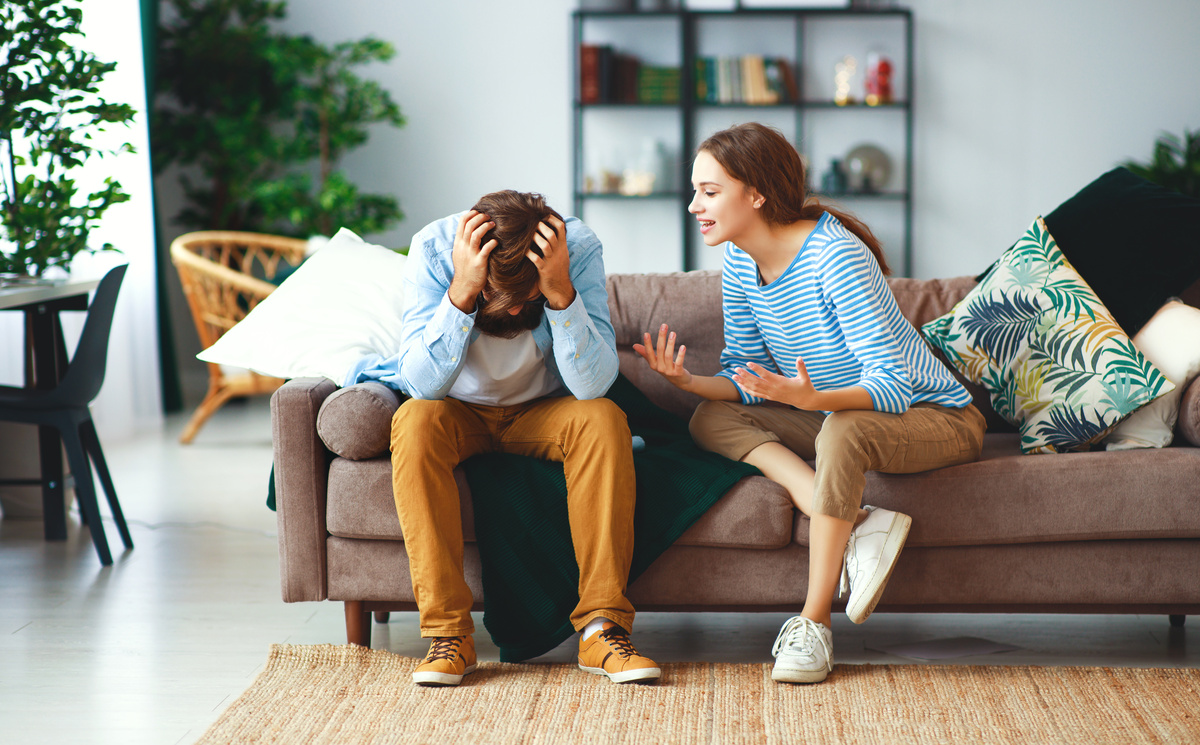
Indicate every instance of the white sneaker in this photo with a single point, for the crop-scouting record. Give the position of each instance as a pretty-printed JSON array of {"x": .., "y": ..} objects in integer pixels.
[
  {"x": 803, "y": 652},
  {"x": 871, "y": 555}
]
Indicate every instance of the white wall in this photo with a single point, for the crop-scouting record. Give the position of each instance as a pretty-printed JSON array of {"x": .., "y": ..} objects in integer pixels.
[
  {"x": 1018, "y": 105},
  {"x": 1022, "y": 103}
]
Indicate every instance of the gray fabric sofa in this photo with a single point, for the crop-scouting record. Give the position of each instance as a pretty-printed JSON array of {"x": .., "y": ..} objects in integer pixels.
[{"x": 1095, "y": 532}]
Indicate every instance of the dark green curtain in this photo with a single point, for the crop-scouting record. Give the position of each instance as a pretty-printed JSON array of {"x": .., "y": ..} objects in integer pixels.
[{"x": 172, "y": 397}]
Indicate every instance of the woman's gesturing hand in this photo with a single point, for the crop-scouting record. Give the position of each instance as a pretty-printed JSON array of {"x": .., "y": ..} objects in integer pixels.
[
  {"x": 798, "y": 391},
  {"x": 663, "y": 359}
]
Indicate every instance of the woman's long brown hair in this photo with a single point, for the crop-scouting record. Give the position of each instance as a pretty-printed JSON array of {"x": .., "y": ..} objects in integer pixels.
[{"x": 762, "y": 159}]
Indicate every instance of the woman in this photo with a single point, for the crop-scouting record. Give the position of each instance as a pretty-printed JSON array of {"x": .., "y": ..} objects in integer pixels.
[{"x": 813, "y": 332}]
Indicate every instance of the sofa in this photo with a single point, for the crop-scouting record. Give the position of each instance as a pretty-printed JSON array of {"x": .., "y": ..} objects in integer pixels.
[{"x": 1081, "y": 532}]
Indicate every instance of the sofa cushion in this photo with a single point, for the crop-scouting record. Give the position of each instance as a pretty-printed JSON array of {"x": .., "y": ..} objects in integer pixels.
[
  {"x": 1043, "y": 344},
  {"x": 342, "y": 303},
  {"x": 1005, "y": 497},
  {"x": 1189, "y": 414},
  {"x": 356, "y": 422},
  {"x": 1134, "y": 263},
  {"x": 755, "y": 513}
]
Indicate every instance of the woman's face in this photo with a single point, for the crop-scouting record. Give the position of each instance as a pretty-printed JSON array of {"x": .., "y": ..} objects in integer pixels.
[{"x": 723, "y": 205}]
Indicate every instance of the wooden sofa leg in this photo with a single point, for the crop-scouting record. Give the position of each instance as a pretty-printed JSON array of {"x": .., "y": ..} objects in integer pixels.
[
  {"x": 1177, "y": 621},
  {"x": 358, "y": 624},
  {"x": 382, "y": 616}
]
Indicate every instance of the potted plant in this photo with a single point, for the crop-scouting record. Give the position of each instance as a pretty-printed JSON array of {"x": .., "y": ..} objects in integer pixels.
[
  {"x": 257, "y": 112},
  {"x": 50, "y": 114},
  {"x": 1175, "y": 163}
]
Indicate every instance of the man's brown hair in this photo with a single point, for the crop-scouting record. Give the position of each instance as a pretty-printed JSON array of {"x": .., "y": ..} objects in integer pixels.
[{"x": 512, "y": 277}]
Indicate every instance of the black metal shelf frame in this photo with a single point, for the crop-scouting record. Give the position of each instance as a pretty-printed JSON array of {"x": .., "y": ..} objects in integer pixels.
[{"x": 687, "y": 22}]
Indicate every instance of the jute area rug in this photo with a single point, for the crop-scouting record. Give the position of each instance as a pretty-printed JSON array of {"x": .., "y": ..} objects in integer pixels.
[{"x": 347, "y": 694}]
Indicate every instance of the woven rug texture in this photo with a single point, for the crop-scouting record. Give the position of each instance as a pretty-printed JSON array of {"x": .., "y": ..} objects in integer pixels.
[{"x": 350, "y": 695}]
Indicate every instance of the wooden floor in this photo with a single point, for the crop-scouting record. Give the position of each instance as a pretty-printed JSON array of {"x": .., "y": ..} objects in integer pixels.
[{"x": 153, "y": 648}]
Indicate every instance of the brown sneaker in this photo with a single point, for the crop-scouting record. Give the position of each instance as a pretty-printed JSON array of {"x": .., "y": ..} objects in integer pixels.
[
  {"x": 449, "y": 659},
  {"x": 611, "y": 653}
]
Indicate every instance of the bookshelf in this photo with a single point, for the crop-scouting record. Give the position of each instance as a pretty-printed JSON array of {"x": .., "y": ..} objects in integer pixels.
[{"x": 623, "y": 134}]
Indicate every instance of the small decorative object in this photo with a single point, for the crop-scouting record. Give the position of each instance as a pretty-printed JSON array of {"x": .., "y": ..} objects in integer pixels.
[
  {"x": 637, "y": 180},
  {"x": 878, "y": 84},
  {"x": 867, "y": 169},
  {"x": 843, "y": 76},
  {"x": 833, "y": 181}
]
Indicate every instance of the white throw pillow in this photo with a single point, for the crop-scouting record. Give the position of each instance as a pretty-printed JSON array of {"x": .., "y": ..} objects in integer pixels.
[
  {"x": 344, "y": 302},
  {"x": 1171, "y": 341}
]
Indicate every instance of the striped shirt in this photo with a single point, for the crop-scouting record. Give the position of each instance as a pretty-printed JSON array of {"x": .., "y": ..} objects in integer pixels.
[{"x": 833, "y": 309}]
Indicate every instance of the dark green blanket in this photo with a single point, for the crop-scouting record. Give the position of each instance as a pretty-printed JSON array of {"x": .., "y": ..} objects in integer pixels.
[{"x": 530, "y": 578}]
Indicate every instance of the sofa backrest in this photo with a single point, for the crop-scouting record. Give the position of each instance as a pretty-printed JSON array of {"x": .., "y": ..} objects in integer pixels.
[{"x": 690, "y": 303}]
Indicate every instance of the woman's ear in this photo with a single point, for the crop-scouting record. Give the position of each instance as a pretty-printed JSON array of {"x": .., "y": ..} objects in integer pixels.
[{"x": 757, "y": 200}]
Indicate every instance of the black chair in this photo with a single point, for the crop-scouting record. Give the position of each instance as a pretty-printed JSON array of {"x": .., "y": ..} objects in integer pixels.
[{"x": 65, "y": 408}]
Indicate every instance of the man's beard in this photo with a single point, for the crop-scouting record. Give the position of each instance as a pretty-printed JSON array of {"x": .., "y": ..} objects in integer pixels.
[{"x": 504, "y": 325}]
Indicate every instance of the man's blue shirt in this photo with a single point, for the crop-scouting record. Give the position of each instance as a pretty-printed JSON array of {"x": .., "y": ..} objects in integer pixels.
[{"x": 578, "y": 343}]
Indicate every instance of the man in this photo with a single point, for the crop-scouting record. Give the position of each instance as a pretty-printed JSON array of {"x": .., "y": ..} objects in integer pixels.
[{"x": 507, "y": 347}]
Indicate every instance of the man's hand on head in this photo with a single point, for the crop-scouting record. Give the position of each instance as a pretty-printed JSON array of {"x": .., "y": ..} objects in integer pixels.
[
  {"x": 470, "y": 260},
  {"x": 554, "y": 265}
]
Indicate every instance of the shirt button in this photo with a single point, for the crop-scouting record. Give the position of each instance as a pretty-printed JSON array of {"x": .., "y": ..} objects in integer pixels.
[
  {"x": 464, "y": 328},
  {"x": 454, "y": 359},
  {"x": 552, "y": 323},
  {"x": 577, "y": 355},
  {"x": 567, "y": 324}
]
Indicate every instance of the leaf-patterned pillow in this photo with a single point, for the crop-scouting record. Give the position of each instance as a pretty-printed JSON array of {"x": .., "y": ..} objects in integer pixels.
[{"x": 1050, "y": 354}]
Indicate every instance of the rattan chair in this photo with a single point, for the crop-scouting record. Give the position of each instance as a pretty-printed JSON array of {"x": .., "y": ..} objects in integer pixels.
[{"x": 225, "y": 275}]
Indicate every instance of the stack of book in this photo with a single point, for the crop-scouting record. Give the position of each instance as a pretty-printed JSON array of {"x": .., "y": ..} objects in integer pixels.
[
  {"x": 658, "y": 84},
  {"x": 750, "y": 79},
  {"x": 608, "y": 76}
]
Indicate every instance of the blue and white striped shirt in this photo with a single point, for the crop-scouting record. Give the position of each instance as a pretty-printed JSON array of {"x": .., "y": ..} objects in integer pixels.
[{"x": 832, "y": 308}]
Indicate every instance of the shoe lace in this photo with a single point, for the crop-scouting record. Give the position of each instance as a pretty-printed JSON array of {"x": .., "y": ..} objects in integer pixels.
[
  {"x": 443, "y": 648},
  {"x": 798, "y": 636},
  {"x": 616, "y": 638}
]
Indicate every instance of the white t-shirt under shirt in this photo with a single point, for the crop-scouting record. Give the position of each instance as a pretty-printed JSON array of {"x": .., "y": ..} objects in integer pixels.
[{"x": 503, "y": 372}]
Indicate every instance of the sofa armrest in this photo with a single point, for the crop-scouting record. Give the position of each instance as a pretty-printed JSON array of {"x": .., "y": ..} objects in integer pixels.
[
  {"x": 1189, "y": 413},
  {"x": 301, "y": 487}
]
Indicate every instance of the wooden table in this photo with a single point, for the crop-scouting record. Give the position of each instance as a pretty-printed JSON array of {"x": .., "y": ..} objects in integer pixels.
[{"x": 45, "y": 365}]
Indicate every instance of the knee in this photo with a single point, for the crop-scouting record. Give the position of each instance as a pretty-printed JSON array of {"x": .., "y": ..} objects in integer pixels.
[
  {"x": 710, "y": 419},
  {"x": 417, "y": 418},
  {"x": 844, "y": 432},
  {"x": 600, "y": 418}
]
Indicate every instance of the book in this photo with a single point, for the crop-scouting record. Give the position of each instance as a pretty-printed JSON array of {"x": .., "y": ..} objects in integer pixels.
[
  {"x": 749, "y": 92},
  {"x": 789, "y": 81},
  {"x": 658, "y": 84},
  {"x": 589, "y": 73},
  {"x": 701, "y": 79},
  {"x": 606, "y": 73}
]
